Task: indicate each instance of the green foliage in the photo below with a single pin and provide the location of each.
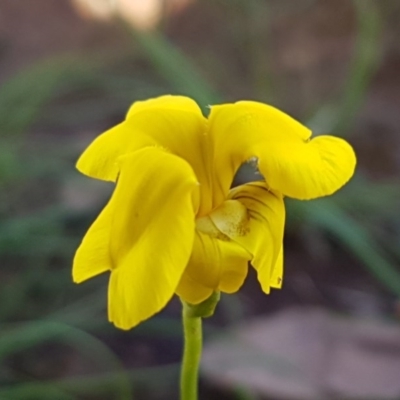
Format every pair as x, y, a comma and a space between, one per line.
39, 306
366, 58
352, 235
175, 67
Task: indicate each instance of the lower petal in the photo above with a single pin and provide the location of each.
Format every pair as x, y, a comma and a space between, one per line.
152, 233
277, 272
92, 257
214, 265
263, 235
192, 291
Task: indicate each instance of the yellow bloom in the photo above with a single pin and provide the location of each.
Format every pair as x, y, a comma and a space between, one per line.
173, 225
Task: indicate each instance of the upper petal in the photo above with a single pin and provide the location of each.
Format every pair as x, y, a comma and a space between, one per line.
99, 160
307, 170
176, 123
166, 102
152, 232
173, 122
289, 161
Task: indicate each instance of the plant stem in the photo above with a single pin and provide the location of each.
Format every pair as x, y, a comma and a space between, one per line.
191, 354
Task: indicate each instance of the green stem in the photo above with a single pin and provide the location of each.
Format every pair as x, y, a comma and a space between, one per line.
191, 354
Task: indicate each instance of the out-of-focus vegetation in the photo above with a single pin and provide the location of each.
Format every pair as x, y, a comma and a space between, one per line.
325, 62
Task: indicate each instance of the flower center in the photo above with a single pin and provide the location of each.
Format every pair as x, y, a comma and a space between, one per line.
227, 221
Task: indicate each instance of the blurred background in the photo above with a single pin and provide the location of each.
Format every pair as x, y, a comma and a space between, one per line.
69, 69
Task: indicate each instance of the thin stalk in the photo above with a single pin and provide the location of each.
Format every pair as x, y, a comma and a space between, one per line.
192, 327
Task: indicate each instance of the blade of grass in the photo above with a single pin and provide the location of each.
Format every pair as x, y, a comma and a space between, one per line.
30, 334
366, 57
364, 64
242, 393
95, 384
175, 67
23, 96
258, 17
328, 216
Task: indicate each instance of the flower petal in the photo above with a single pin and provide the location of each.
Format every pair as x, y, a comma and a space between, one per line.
277, 271
307, 170
166, 102
99, 160
176, 123
151, 235
288, 160
214, 265
263, 236
173, 122
93, 257
192, 291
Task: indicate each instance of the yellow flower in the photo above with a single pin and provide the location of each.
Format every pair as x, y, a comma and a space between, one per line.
173, 225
